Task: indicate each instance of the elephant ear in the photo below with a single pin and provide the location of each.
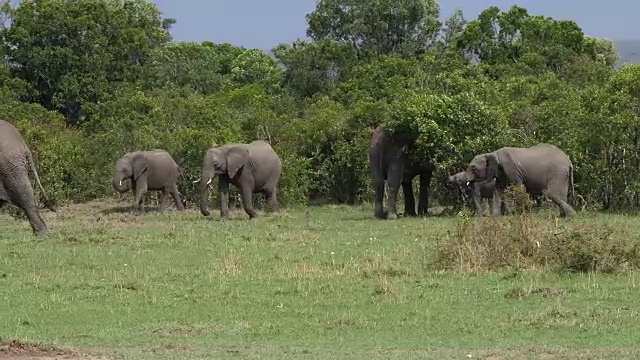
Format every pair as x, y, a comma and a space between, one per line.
236, 158
140, 165
492, 166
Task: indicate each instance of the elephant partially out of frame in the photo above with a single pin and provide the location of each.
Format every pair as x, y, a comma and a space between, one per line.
390, 160
148, 170
543, 169
477, 191
252, 168
15, 188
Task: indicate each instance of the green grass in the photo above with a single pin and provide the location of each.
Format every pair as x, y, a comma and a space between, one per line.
322, 282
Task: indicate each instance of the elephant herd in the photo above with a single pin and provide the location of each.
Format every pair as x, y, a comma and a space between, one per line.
543, 170
252, 168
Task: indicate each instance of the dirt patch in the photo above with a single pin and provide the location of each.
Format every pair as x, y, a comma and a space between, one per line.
16, 350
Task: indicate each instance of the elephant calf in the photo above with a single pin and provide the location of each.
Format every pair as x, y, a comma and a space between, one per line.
148, 170
15, 187
252, 168
477, 191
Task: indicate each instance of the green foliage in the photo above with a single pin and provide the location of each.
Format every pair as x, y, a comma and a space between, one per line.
446, 129
376, 27
71, 51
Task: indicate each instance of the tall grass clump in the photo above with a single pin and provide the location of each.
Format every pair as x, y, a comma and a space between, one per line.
525, 240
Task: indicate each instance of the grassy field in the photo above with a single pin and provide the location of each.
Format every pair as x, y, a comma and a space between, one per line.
309, 283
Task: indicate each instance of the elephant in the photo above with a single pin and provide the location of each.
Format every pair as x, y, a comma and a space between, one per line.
477, 191
254, 167
149, 170
542, 169
390, 159
15, 187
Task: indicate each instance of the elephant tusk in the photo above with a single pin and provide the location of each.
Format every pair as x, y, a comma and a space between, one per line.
197, 181
120, 183
468, 182
209, 182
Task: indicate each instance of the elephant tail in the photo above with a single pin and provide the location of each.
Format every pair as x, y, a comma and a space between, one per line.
573, 189
47, 201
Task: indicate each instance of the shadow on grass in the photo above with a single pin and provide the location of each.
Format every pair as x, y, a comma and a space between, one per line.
130, 209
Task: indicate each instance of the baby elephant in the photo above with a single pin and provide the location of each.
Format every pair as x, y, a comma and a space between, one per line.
478, 191
252, 168
148, 170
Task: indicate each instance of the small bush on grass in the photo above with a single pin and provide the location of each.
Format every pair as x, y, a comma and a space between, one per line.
524, 241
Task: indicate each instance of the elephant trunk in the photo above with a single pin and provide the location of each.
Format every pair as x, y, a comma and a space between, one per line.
117, 184
207, 176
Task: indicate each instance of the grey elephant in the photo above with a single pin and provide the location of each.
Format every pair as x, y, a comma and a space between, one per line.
15, 187
390, 160
478, 191
252, 168
148, 170
543, 169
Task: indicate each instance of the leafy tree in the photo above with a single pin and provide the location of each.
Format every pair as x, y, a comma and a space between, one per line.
70, 51
533, 44
376, 27
314, 67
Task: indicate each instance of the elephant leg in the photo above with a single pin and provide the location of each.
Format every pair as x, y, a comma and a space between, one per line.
498, 203
409, 200
394, 179
378, 189
272, 199
141, 190
559, 197
247, 201
175, 194
163, 199
423, 195
477, 201
26, 201
223, 191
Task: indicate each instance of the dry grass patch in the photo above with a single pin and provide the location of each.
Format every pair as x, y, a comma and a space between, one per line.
523, 241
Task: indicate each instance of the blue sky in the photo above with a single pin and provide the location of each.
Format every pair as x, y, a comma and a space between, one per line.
264, 24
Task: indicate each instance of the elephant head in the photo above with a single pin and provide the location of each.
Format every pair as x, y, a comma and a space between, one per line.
130, 166
483, 167
225, 161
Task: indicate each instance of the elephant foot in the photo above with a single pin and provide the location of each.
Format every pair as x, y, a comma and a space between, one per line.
392, 216
380, 215
40, 233
410, 214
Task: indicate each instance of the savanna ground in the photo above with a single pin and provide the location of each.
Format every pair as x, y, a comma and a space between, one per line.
319, 282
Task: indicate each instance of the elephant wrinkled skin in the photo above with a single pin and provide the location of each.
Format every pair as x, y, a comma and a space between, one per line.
543, 169
15, 187
252, 168
389, 160
148, 170
477, 191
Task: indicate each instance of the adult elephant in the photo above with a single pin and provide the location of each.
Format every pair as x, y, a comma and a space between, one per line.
148, 170
252, 168
390, 160
543, 169
15, 187
478, 191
